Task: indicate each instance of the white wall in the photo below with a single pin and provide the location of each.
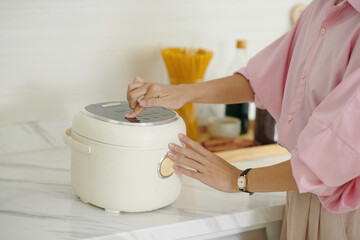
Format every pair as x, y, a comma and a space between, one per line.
59, 55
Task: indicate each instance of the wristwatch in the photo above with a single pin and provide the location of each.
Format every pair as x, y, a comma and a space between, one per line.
242, 181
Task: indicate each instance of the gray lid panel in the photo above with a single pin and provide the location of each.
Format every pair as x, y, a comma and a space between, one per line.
114, 112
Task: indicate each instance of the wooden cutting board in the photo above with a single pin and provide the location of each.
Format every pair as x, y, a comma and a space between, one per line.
252, 153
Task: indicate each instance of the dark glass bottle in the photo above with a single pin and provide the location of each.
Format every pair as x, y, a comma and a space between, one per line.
265, 127
241, 110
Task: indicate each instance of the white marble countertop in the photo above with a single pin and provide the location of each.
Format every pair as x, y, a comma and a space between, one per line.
37, 201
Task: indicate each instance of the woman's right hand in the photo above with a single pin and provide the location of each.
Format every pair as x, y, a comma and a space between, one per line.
154, 95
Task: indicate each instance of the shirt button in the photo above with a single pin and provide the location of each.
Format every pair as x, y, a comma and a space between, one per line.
322, 31
303, 76
290, 117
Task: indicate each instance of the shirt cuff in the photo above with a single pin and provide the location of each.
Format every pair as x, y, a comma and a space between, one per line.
245, 72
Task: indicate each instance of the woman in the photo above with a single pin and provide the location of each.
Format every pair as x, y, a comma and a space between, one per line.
309, 81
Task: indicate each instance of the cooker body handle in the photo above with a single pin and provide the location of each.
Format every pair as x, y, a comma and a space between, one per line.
75, 144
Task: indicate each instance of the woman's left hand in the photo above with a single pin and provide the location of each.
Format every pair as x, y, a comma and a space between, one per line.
206, 166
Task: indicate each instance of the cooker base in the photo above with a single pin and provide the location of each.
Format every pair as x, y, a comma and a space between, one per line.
112, 211
84, 201
106, 210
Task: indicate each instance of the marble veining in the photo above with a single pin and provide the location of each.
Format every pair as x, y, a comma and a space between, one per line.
31, 136
37, 201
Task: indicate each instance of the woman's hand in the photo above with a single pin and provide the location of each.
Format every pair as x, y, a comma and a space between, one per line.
154, 95
206, 166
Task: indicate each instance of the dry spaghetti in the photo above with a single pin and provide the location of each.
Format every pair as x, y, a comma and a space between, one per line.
187, 66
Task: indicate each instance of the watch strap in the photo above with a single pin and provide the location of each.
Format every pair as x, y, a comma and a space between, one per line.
245, 171
244, 175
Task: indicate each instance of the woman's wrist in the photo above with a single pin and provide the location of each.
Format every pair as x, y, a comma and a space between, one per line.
188, 93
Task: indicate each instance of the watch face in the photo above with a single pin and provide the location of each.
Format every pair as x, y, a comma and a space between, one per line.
241, 182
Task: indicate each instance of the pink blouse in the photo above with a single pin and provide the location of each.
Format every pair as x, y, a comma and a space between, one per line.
309, 81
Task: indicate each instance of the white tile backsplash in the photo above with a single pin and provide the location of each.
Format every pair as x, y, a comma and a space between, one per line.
57, 56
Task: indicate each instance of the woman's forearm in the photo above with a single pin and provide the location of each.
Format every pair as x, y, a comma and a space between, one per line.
237, 89
273, 178
231, 89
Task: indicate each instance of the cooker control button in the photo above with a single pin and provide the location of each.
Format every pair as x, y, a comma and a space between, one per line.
111, 104
165, 168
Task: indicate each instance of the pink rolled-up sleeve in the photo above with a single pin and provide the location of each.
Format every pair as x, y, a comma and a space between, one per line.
268, 70
326, 159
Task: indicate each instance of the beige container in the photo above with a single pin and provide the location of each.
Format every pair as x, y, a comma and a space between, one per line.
119, 164
224, 127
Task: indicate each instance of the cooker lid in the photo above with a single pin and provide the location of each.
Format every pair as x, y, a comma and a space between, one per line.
114, 112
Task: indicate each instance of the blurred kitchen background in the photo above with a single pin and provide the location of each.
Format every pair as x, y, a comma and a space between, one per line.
58, 56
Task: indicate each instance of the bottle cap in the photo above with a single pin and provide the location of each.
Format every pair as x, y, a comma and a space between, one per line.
241, 44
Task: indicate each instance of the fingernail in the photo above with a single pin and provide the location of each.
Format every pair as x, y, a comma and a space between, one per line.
181, 136
171, 154
129, 115
143, 103
172, 146
175, 167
